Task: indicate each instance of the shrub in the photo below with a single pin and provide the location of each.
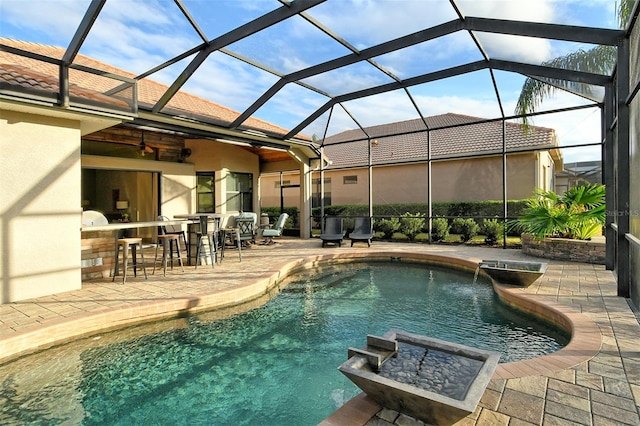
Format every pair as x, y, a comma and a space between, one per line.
492, 230
439, 229
456, 225
469, 229
388, 226
411, 224
578, 213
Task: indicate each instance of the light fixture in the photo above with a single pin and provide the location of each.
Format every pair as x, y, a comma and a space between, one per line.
142, 147
184, 154
123, 205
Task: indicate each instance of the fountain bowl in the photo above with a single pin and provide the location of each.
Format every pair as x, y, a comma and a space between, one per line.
513, 271
440, 386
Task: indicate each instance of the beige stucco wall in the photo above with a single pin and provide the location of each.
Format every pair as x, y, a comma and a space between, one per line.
545, 178
40, 212
222, 158
480, 179
474, 179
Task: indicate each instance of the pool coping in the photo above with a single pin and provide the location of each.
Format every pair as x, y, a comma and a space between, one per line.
585, 342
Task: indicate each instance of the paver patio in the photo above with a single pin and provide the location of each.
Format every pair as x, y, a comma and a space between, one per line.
601, 390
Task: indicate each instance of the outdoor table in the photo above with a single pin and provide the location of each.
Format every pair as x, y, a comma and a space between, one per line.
99, 242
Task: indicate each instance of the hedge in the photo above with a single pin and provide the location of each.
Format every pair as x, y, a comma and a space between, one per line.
450, 210
489, 209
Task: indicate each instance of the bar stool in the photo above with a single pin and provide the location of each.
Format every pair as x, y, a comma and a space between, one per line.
209, 250
167, 251
124, 244
232, 235
174, 229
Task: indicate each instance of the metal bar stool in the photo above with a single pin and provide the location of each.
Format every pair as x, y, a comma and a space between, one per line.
174, 229
124, 244
210, 249
232, 235
167, 251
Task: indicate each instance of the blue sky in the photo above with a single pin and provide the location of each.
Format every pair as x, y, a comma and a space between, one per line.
137, 35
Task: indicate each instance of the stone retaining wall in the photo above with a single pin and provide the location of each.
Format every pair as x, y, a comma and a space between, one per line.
593, 251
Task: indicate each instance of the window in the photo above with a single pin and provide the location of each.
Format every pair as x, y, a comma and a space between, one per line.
350, 180
315, 197
240, 192
284, 183
205, 190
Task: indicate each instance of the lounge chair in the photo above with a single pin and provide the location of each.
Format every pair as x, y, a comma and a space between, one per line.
362, 231
333, 231
270, 233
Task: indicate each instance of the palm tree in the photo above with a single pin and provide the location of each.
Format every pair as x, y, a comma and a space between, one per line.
600, 60
579, 213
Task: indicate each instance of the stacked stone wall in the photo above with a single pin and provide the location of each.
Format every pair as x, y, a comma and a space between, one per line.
565, 249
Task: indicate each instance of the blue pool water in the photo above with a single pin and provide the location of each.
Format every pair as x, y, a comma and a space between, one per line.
273, 365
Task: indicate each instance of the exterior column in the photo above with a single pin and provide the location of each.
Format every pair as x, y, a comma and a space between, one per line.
305, 201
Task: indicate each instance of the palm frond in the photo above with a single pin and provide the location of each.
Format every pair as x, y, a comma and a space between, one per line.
599, 60
585, 196
625, 7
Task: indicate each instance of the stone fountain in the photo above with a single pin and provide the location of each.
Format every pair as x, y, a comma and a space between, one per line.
432, 380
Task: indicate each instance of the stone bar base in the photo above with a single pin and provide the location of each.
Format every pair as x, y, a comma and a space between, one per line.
98, 248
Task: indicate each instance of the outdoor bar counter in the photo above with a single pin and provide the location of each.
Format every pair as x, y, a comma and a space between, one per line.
98, 245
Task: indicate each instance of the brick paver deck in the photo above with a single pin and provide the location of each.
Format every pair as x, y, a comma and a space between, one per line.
594, 381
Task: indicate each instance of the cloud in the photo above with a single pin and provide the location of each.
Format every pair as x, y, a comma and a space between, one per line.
56, 20
522, 10
138, 35
515, 48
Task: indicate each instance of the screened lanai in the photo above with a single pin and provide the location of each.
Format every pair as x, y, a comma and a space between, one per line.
291, 74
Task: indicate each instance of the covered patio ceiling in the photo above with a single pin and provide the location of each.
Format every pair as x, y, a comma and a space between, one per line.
313, 68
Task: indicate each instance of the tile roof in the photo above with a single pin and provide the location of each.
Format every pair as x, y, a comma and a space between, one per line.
410, 140
44, 76
42, 84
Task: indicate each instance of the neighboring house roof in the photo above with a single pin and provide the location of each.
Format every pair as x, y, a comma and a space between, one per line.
42, 76
410, 142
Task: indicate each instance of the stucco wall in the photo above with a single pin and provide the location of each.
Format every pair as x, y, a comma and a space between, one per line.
480, 179
475, 179
40, 212
222, 158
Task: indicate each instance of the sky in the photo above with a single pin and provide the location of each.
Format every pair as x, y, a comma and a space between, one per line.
138, 35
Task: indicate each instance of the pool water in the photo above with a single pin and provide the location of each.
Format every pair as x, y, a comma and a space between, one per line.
273, 365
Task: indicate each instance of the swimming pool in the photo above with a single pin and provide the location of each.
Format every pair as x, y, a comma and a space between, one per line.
275, 364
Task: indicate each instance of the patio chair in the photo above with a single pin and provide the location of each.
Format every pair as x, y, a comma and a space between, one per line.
362, 231
270, 233
333, 231
246, 224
